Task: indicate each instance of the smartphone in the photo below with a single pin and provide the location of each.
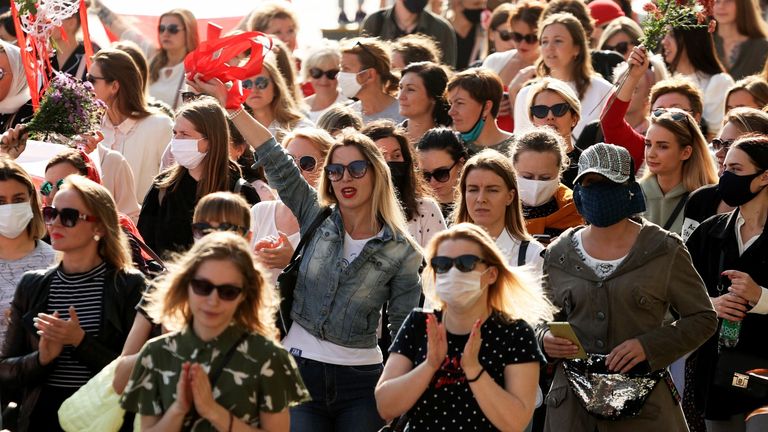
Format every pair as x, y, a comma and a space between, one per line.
565, 331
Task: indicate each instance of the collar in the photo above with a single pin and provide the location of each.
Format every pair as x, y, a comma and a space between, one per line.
653, 190
421, 24
124, 128
188, 341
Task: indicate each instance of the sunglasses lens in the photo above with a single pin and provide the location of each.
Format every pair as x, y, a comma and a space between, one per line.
199, 230
540, 111
261, 83
69, 217
228, 292
307, 163
334, 171
559, 110
201, 287
331, 74
46, 188
441, 264
442, 175
357, 169
49, 214
505, 36
315, 73
466, 263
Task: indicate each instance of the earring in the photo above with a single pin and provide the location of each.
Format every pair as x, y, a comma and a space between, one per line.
96, 237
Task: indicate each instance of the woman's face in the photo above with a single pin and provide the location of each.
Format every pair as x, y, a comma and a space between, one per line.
621, 43
455, 248
78, 237
738, 162
487, 198
558, 49
325, 85
5, 83
534, 165
390, 148
413, 97
211, 314
353, 194
669, 47
105, 90
284, 29
13, 192
724, 11
663, 153
184, 129
741, 98
527, 50
437, 163
260, 98
304, 152
465, 111
728, 133
563, 125
500, 44
54, 175
174, 37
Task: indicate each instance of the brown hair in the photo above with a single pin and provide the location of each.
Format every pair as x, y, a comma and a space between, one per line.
286, 65
749, 19
582, 65
748, 120
542, 140
372, 53
527, 11
117, 65
223, 207
682, 86
11, 170
284, 107
417, 48
267, 11
160, 60
133, 50
576, 8
482, 85
755, 85
338, 118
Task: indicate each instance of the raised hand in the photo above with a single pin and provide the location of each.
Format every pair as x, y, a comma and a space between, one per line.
14, 141
66, 332
437, 342
470, 361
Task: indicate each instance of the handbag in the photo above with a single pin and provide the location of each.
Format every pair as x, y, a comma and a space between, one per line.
610, 395
94, 407
286, 281
732, 371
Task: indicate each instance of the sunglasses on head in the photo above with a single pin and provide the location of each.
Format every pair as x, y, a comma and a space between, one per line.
46, 188
204, 288
441, 174
306, 163
171, 28
93, 78
259, 82
67, 216
529, 38
201, 229
463, 263
718, 144
316, 73
558, 110
356, 169
188, 96
621, 47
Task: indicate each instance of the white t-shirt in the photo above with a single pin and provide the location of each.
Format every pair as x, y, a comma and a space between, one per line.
427, 223
167, 88
263, 224
602, 268
300, 342
314, 116
498, 60
713, 91
510, 247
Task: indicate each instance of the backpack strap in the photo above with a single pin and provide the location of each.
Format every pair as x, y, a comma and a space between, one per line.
678, 208
522, 252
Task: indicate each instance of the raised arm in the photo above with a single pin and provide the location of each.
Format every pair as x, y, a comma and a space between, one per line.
112, 21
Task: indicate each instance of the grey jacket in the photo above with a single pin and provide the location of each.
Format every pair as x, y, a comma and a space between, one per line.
343, 305
656, 275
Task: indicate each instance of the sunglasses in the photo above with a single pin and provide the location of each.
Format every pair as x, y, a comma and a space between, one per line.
201, 229
46, 188
441, 174
171, 28
718, 144
259, 82
506, 36
306, 163
316, 73
67, 216
558, 110
204, 288
621, 47
188, 96
93, 78
675, 115
356, 169
463, 263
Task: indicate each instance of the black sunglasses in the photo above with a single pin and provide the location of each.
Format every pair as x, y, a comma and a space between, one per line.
204, 288
46, 188
171, 28
621, 47
306, 163
441, 174
529, 38
93, 78
188, 96
259, 82
316, 73
541, 111
463, 263
718, 144
201, 229
356, 169
67, 216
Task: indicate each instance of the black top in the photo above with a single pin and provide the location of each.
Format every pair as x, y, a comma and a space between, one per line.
464, 47
569, 175
448, 402
702, 203
604, 62
590, 135
73, 61
23, 115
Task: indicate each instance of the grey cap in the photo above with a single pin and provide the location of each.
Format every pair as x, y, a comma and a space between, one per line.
609, 160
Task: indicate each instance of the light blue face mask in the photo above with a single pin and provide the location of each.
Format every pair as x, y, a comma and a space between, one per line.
472, 134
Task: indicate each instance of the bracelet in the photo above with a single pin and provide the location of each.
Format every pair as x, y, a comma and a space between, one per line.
236, 113
482, 371
231, 419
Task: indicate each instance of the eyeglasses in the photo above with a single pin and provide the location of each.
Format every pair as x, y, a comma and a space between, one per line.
46, 188
67, 216
259, 82
441, 174
356, 169
306, 163
529, 38
675, 115
188, 96
316, 73
558, 110
171, 28
204, 288
621, 47
718, 144
463, 263
93, 78
201, 229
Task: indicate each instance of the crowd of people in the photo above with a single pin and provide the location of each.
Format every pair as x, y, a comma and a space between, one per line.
474, 215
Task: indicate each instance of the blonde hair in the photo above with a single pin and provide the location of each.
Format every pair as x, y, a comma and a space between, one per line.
558, 87
160, 60
748, 120
372, 53
320, 139
267, 11
223, 207
169, 302
11, 170
516, 294
495, 162
283, 105
755, 85
699, 169
582, 71
624, 25
113, 246
327, 51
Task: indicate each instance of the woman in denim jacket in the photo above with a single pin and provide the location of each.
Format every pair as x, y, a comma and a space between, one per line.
359, 258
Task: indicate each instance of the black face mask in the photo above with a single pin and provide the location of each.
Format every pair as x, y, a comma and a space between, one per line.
735, 189
415, 6
401, 176
473, 15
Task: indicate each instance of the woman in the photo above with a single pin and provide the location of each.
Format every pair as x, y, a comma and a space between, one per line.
621, 35
421, 211
471, 40
539, 160
478, 366
587, 273
256, 379
751, 92
320, 69
21, 231
729, 251
200, 146
441, 159
366, 75
677, 162
422, 99
691, 53
740, 38
565, 56
338, 118
129, 126
499, 30
521, 34
488, 197
414, 48
70, 51
275, 19
15, 103
71, 339
271, 102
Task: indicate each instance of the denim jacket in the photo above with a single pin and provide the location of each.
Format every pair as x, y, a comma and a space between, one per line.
343, 305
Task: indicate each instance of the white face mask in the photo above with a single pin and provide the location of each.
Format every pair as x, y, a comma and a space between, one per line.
457, 289
536, 192
348, 84
185, 152
14, 219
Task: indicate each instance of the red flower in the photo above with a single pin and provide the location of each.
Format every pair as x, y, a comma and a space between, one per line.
650, 8
701, 18
712, 26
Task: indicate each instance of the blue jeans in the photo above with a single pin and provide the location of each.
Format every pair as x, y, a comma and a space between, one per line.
342, 398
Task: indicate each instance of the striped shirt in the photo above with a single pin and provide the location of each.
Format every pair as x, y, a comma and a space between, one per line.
84, 291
